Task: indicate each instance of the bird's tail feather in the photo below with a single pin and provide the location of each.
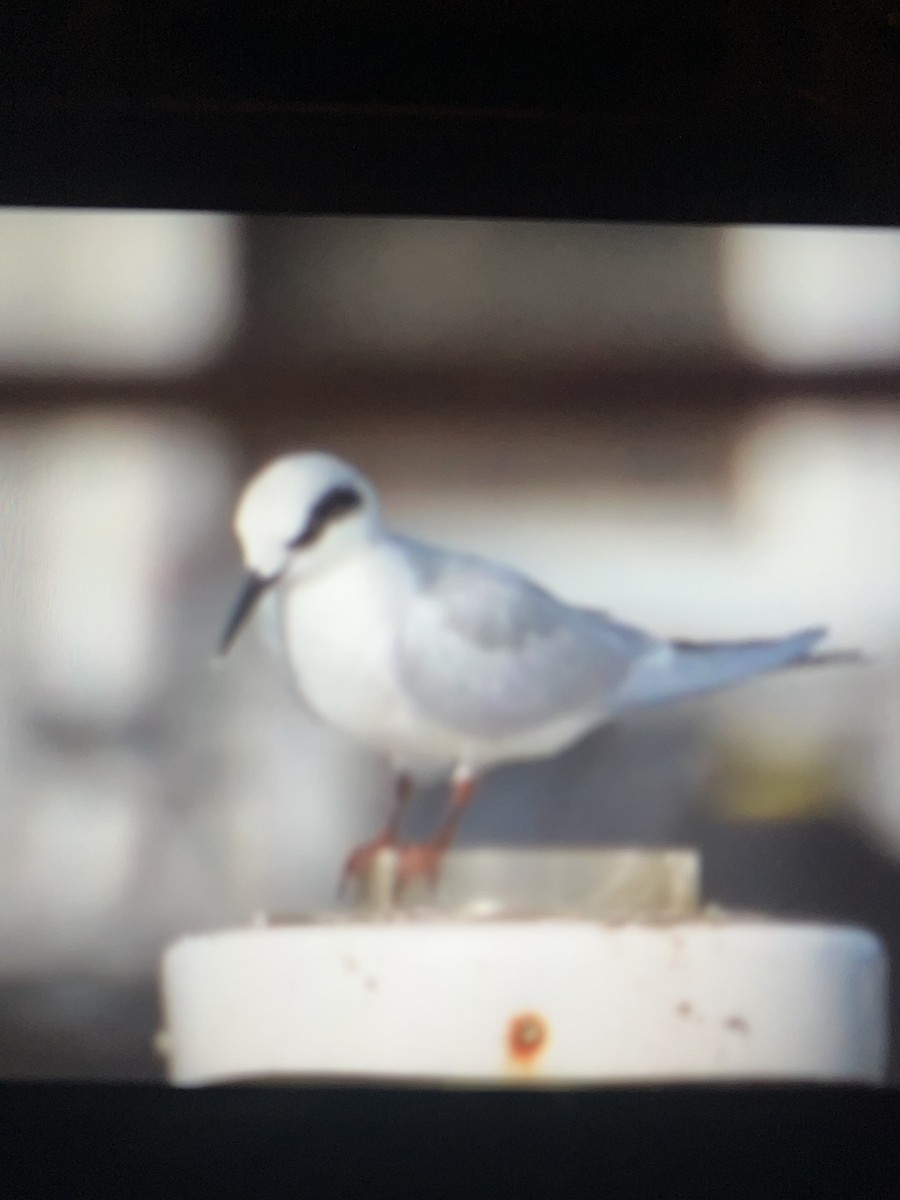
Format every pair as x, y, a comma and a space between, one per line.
680, 669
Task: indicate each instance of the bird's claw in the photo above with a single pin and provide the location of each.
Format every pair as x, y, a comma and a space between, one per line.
415, 861
359, 862
420, 860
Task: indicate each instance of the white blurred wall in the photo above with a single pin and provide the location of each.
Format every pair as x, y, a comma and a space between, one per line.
98, 293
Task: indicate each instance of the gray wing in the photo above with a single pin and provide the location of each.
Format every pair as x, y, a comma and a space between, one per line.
486, 652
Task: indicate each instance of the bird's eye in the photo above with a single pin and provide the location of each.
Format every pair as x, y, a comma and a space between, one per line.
333, 505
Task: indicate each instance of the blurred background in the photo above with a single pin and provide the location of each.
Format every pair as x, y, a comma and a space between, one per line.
697, 429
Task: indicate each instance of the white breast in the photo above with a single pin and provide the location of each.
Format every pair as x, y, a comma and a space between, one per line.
340, 628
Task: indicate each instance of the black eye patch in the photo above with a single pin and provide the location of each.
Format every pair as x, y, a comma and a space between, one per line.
334, 504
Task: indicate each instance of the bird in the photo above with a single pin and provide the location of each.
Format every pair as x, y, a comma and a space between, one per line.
448, 664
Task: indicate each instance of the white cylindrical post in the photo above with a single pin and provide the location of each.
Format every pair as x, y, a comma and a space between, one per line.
477, 989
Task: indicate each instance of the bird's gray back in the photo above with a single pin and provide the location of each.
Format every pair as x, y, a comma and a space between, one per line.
486, 652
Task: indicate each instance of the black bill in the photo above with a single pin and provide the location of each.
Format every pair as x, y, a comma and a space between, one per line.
252, 588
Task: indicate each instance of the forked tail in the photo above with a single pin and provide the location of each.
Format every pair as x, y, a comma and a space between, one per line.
679, 669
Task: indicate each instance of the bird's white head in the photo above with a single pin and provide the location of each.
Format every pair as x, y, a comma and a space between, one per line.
296, 517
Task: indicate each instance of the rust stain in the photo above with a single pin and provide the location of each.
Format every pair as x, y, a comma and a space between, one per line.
684, 1009
737, 1024
350, 963
370, 983
526, 1037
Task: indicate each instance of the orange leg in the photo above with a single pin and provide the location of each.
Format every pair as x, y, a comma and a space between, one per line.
359, 862
425, 859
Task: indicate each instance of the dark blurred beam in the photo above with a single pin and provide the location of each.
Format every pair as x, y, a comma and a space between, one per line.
248, 394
